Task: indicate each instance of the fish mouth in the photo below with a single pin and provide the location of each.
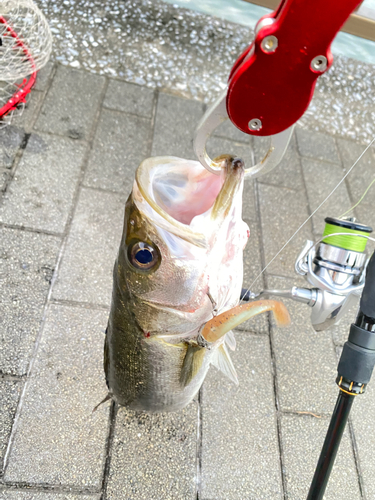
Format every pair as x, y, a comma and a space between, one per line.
181, 195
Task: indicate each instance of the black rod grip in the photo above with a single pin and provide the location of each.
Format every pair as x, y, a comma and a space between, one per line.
356, 363
367, 304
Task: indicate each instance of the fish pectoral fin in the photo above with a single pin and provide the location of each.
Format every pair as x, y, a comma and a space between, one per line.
107, 398
192, 363
230, 340
221, 360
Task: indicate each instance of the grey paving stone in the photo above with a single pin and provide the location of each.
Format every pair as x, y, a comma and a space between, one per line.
240, 456
10, 391
128, 97
230, 131
302, 439
359, 180
154, 456
11, 138
340, 331
4, 177
27, 261
121, 143
86, 269
43, 76
249, 206
366, 215
41, 193
29, 115
363, 172
363, 415
288, 172
317, 145
175, 124
8, 494
252, 258
321, 178
71, 103
261, 146
252, 268
306, 362
59, 440
282, 211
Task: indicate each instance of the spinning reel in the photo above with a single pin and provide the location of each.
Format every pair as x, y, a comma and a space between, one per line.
335, 268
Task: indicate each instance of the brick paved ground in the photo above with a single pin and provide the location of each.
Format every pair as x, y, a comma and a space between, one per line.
66, 169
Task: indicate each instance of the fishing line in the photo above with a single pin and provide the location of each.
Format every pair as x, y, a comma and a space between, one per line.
360, 200
306, 221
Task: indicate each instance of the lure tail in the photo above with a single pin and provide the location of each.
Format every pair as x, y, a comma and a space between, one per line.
217, 327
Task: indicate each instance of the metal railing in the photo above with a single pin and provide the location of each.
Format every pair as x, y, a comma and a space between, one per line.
361, 23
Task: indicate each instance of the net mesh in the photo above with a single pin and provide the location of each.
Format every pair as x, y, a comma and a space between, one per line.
25, 39
7, 92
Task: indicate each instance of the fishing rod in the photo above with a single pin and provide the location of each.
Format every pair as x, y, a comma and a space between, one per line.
338, 268
354, 372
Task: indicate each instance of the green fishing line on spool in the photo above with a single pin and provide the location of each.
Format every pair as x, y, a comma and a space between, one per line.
348, 242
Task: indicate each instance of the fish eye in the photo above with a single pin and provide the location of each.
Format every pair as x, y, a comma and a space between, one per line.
143, 256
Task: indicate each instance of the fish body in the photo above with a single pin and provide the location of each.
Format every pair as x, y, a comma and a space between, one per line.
179, 267
179, 263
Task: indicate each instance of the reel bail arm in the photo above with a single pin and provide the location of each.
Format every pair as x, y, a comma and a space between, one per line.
304, 295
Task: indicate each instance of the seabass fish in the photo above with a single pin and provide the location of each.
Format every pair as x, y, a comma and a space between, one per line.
176, 283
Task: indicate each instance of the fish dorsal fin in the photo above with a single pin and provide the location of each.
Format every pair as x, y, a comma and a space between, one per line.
230, 340
222, 362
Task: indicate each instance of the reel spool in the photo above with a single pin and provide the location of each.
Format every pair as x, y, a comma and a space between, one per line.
352, 241
25, 47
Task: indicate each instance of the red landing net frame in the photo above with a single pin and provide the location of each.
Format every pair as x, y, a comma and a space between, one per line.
25, 46
12, 95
